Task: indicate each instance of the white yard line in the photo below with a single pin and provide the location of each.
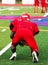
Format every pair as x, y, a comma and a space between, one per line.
5, 49
3, 30
43, 30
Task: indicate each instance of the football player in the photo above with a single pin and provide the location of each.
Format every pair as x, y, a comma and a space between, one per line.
43, 5
46, 5
25, 30
36, 4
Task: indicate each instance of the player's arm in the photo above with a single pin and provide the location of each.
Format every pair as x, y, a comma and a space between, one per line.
12, 35
11, 26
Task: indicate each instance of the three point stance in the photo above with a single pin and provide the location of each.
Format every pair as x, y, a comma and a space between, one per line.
24, 30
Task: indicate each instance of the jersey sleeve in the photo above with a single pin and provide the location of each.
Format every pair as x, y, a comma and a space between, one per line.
13, 25
36, 29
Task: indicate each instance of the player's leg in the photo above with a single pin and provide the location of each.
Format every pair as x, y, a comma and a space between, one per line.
12, 35
43, 10
13, 49
15, 41
46, 7
43, 5
36, 6
35, 9
34, 48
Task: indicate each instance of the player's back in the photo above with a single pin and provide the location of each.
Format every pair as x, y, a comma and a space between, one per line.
27, 25
33, 27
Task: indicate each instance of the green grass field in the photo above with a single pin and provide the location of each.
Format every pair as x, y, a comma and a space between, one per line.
18, 10
23, 53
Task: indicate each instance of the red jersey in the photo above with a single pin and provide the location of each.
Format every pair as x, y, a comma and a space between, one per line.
26, 25
25, 30
43, 3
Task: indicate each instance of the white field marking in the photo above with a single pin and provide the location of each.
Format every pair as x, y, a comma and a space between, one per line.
10, 8
13, 9
3, 30
5, 49
43, 16
46, 14
2, 9
43, 30
5, 27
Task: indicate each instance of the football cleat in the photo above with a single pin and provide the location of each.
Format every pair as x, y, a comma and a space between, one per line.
13, 56
35, 57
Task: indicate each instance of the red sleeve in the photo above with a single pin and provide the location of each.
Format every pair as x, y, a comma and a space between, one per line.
15, 27
14, 22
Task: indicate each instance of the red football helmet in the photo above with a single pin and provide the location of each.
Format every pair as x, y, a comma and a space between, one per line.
25, 17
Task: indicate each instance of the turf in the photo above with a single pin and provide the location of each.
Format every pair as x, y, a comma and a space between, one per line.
4, 36
19, 10
23, 53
